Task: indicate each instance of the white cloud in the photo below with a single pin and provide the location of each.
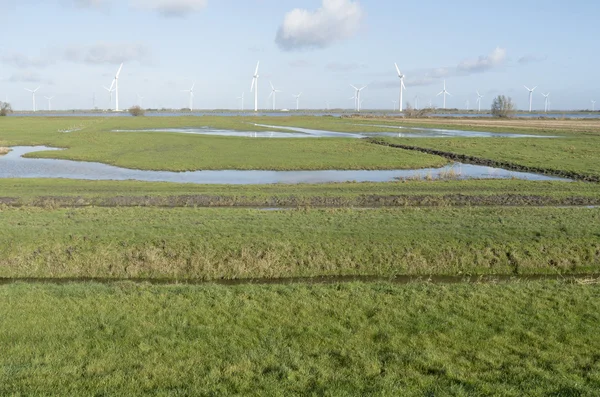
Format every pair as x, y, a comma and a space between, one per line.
531, 58
27, 77
171, 8
484, 63
107, 53
335, 20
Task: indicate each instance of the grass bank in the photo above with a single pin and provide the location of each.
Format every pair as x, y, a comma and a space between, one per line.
537, 338
73, 193
188, 243
578, 155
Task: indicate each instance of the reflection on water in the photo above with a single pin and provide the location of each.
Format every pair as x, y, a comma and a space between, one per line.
417, 132
13, 165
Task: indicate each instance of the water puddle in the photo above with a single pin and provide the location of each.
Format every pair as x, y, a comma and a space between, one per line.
13, 165
297, 132
415, 132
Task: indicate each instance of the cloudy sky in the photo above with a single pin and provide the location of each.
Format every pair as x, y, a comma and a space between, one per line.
71, 48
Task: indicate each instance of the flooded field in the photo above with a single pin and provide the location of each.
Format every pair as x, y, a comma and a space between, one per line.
13, 165
297, 132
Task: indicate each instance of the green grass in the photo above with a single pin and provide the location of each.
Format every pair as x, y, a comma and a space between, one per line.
49, 192
515, 339
188, 243
185, 152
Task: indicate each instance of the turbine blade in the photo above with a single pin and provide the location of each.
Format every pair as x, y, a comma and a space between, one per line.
273, 88
252, 86
397, 69
354, 87
527, 88
119, 71
256, 71
449, 93
533, 89
440, 93
112, 84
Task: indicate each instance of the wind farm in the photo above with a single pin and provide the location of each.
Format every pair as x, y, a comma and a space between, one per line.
324, 198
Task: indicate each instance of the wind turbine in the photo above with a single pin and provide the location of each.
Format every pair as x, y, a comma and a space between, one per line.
530, 95
33, 95
416, 102
479, 97
546, 102
402, 86
593, 106
273, 94
49, 102
357, 96
445, 93
297, 100
116, 81
242, 98
254, 87
191, 91
394, 102
110, 91
140, 100
468, 105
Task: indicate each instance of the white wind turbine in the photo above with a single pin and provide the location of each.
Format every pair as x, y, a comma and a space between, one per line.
402, 86
445, 93
242, 98
297, 100
140, 100
394, 107
416, 102
479, 97
110, 92
49, 102
357, 96
468, 104
530, 95
254, 87
33, 95
273, 94
191, 91
546, 102
593, 106
116, 81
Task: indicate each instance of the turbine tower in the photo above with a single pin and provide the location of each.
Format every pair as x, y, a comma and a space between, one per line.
297, 100
593, 106
479, 97
416, 102
273, 94
49, 102
191, 91
468, 105
254, 87
394, 107
402, 87
546, 102
33, 95
116, 81
530, 95
242, 98
140, 100
445, 93
357, 97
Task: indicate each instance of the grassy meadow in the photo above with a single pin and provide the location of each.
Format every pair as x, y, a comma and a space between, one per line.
210, 244
515, 339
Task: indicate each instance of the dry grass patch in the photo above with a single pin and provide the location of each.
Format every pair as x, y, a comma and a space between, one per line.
4, 150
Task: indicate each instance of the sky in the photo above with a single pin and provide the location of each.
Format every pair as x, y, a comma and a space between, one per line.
72, 48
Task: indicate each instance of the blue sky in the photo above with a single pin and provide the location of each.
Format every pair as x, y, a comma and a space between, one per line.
72, 47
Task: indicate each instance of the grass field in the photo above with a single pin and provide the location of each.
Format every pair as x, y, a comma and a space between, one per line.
188, 243
185, 152
511, 338
576, 150
515, 339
